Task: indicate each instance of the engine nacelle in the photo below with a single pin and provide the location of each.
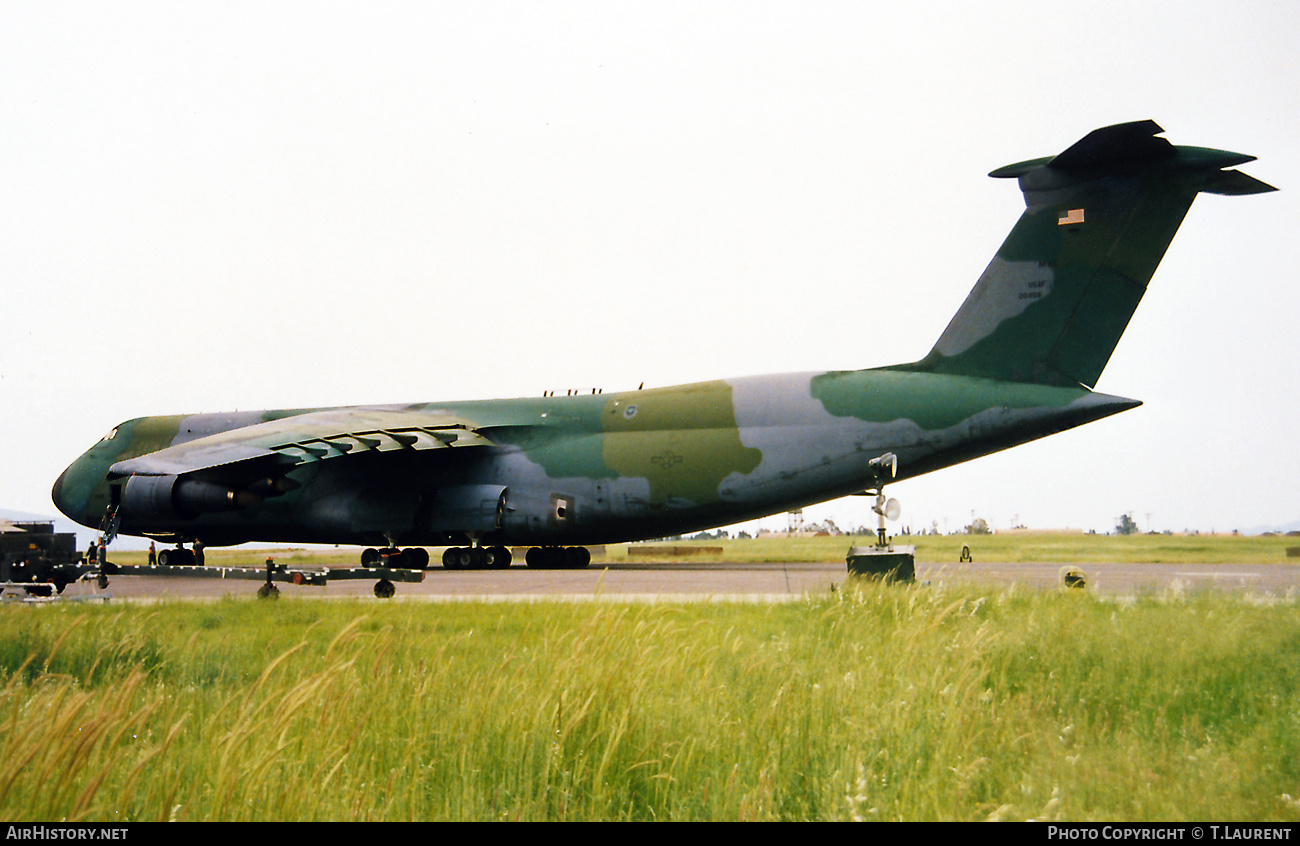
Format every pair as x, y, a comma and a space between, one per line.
146, 498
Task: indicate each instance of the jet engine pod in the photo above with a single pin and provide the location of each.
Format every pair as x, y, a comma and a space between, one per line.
148, 498
172, 497
199, 497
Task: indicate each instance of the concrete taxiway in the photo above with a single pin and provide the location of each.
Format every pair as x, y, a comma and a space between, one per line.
728, 581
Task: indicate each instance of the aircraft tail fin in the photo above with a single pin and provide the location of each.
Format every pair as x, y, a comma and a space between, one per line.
1054, 301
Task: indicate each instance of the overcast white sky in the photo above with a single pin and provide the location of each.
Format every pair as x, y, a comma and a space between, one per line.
214, 206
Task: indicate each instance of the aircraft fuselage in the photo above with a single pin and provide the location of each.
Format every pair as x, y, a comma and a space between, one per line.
592, 468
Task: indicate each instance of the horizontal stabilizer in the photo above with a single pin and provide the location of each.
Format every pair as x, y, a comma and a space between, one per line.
1235, 183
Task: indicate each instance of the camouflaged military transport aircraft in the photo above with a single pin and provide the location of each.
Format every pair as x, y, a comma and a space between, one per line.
1016, 363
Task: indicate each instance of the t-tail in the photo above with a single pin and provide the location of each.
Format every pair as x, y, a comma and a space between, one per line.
1054, 301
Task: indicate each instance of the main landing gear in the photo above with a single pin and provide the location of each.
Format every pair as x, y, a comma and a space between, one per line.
499, 558
476, 558
479, 558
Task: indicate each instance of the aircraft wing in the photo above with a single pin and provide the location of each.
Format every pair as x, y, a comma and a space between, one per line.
306, 438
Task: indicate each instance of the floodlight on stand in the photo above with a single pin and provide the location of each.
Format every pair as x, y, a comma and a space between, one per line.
885, 508
887, 460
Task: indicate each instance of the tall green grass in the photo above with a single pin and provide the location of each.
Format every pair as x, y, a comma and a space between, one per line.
875, 703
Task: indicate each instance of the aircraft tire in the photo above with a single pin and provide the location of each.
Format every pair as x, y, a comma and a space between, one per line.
384, 589
417, 558
175, 558
501, 558
370, 557
462, 558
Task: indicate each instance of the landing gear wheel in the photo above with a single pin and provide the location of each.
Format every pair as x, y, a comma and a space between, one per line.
171, 557
370, 558
384, 589
417, 558
476, 558
178, 557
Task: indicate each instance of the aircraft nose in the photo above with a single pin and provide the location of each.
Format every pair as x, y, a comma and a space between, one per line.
76, 491
57, 495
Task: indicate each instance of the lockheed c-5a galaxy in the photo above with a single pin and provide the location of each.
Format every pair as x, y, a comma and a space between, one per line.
1017, 362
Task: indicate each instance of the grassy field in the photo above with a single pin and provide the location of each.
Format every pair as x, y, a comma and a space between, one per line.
1024, 547
874, 703
1014, 547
